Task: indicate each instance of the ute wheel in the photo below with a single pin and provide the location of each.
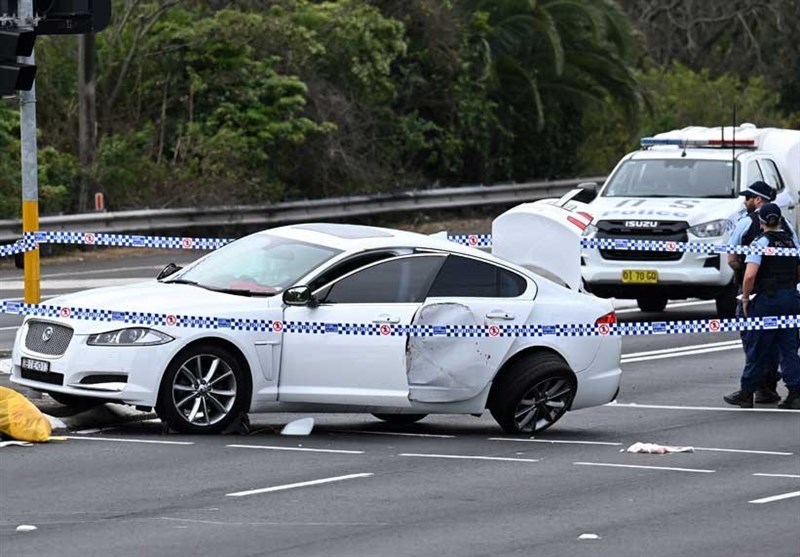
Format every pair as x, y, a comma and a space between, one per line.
74, 401
726, 302
533, 394
652, 303
400, 419
203, 390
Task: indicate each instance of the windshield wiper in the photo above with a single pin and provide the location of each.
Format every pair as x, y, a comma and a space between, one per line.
182, 281
240, 292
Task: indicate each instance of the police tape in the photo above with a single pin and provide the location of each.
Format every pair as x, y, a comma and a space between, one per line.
31, 242
377, 329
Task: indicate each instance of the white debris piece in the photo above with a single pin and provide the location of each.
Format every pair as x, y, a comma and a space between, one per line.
5, 366
589, 537
653, 448
26, 528
15, 444
302, 426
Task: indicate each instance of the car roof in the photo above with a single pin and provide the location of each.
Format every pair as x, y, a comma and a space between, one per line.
671, 152
354, 238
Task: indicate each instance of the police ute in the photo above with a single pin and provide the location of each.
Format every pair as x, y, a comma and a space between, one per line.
683, 186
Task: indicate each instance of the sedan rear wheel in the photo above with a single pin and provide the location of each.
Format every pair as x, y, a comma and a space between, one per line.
534, 394
203, 391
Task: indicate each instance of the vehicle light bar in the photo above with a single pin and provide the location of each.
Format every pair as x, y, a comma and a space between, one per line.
679, 142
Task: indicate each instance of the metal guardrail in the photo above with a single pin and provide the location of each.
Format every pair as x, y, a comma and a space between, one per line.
289, 212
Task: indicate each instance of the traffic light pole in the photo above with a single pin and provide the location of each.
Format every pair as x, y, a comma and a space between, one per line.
30, 169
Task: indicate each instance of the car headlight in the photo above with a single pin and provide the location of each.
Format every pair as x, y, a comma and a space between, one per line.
710, 229
134, 336
589, 231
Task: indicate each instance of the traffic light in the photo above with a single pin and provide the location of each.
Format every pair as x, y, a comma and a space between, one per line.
72, 17
13, 75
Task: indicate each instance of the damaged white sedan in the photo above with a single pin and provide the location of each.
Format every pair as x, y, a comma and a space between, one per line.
328, 318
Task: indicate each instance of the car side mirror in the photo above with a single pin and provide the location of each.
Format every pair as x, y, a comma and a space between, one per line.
589, 192
299, 296
169, 269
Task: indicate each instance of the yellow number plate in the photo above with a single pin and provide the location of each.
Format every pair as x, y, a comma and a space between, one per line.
635, 276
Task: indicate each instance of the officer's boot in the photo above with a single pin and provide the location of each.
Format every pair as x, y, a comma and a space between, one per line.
740, 398
767, 394
792, 400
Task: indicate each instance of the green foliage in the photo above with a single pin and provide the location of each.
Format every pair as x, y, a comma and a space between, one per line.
680, 97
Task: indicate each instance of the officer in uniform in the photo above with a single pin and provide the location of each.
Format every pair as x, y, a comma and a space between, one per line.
773, 280
747, 229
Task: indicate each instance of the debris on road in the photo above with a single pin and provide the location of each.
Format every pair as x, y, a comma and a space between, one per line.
15, 444
653, 448
26, 528
589, 537
302, 426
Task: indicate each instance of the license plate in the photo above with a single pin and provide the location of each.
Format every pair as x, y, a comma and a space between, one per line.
35, 365
637, 276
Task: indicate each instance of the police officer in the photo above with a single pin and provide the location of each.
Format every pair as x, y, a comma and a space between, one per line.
747, 229
773, 281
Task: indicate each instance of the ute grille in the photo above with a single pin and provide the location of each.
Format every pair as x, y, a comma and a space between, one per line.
664, 231
56, 345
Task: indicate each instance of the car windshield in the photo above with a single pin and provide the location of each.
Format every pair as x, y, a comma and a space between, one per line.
672, 178
257, 265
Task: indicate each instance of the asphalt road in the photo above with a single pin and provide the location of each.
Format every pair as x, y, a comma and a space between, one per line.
447, 486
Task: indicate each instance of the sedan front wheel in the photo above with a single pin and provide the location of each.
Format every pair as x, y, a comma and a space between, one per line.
203, 391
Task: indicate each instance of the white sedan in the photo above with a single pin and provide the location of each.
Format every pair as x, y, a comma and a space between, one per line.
327, 318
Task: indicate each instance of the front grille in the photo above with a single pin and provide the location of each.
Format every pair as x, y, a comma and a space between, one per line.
58, 337
43, 376
663, 231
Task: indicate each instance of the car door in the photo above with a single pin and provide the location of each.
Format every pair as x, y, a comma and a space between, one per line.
354, 358
467, 292
785, 198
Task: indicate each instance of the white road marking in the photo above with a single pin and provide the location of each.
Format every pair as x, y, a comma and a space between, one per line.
713, 408
15, 327
671, 306
299, 484
778, 475
270, 523
737, 342
743, 451
147, 441
554, 441
299, 449
776, 498
667, 468
397, 433
465, 457
680, 351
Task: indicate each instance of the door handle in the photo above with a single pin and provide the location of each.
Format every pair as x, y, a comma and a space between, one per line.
502, 315
386, 319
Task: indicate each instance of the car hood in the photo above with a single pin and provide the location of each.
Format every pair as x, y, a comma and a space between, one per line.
162, 298
691, 210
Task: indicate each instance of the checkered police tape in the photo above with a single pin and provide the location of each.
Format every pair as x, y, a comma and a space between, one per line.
26, 244
31, 240
485, 240
119, 318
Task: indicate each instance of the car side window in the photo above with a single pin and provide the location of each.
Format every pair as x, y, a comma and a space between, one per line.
470, 278
753, 173
771, 174
403, 279
348, 266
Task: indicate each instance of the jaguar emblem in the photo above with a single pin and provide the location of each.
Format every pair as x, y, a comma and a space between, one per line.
47, 334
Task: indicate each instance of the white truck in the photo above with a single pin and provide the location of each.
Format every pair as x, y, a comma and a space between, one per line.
684, 186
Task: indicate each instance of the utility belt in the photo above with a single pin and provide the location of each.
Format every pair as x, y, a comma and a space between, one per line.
771, 286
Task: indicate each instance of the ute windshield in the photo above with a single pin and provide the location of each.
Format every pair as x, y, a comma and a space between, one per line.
257, 265
673, 178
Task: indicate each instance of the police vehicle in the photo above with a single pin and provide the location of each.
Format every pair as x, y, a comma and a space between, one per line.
684, 186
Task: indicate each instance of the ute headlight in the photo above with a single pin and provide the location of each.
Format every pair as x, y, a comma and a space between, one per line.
134, 336
589, 231
710, 229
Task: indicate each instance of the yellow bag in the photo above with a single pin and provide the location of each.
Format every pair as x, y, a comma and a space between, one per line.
20, 419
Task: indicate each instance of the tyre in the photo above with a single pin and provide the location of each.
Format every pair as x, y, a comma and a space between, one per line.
77, 402
726, 302
533, 394
203, 390
400, 419
652, 303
